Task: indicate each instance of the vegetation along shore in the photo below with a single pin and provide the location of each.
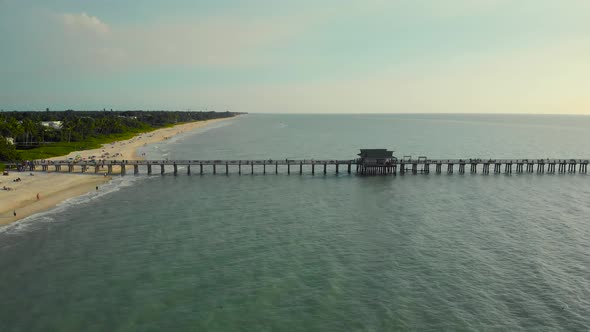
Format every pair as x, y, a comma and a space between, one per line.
69, 134
41, 135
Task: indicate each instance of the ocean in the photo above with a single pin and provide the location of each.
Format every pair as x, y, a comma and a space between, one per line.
461, 252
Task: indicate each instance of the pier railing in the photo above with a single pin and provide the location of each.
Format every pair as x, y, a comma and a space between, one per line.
392, 167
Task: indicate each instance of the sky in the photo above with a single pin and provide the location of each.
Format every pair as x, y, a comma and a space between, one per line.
305, 56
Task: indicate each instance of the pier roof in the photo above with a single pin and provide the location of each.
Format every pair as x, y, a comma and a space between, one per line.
376, 153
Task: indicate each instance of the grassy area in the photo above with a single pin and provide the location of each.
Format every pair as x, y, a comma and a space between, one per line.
64, 148
2, 167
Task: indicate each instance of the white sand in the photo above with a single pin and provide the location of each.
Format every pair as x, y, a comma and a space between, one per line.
54, 188
128, 149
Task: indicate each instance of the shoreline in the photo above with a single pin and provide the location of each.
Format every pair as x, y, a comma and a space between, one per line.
127, 149
54, 187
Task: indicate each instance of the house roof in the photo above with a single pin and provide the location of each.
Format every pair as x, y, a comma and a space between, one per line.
52, 124
376, 153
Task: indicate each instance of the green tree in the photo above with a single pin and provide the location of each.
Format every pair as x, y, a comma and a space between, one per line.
7, 151
85, 126
28, 129
15, 129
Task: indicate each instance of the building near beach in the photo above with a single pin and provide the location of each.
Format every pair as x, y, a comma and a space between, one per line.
375, 161
52, 124
375, 156
9, 140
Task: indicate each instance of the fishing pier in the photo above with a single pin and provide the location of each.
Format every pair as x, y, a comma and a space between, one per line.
370, 162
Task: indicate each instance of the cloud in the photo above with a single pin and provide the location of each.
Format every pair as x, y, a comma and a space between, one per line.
234, 40
515, 59
82, 22
88, 43
546, 79
209, 42
75, 42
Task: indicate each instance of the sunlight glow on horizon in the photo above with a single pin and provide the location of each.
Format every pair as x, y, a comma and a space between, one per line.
487, 56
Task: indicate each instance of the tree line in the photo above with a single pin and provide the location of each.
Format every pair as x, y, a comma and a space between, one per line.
26, 128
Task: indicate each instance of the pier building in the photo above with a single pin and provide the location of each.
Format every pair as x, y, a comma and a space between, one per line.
369, 162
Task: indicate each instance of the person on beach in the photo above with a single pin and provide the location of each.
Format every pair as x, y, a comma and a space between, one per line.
14, 213
38, 197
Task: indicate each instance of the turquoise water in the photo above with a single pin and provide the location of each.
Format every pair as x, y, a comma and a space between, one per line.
317, 253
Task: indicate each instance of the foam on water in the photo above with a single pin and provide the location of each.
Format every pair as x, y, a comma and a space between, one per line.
30, 223
158, 150
316, 253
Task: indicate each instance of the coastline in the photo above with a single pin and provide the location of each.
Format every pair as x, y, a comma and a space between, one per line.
127, 149
54, 188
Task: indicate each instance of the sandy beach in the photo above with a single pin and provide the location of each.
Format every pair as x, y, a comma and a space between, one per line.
54, 188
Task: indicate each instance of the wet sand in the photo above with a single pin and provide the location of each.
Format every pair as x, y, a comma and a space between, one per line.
54, 188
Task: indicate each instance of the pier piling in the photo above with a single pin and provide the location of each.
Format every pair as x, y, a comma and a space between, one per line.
420, 166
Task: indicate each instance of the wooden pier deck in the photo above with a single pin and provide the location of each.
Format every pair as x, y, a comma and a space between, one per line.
288, 166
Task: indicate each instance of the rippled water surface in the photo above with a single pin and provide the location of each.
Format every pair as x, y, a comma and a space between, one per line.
324, 253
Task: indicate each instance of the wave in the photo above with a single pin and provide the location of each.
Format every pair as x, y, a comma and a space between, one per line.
33, 221
159, 150
200, 130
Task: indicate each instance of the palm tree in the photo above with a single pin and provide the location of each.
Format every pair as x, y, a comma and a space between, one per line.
67, 126
14, 127
28, 128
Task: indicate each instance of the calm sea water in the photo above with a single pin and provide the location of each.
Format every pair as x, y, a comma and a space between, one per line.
317, 253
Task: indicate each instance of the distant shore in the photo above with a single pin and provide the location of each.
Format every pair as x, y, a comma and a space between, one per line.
54, 188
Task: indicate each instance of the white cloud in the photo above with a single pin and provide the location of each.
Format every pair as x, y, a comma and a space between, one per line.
209, 42
86, 42
549, 79
82, 22
547, 74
